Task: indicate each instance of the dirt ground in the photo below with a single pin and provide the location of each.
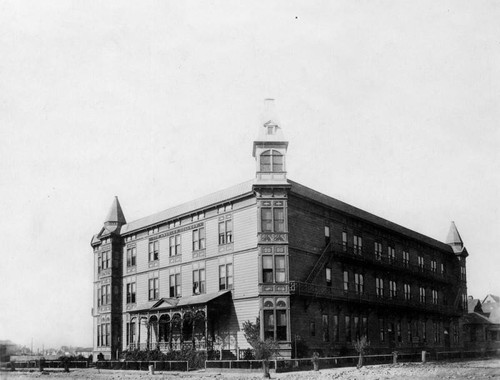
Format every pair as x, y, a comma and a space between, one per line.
478, 369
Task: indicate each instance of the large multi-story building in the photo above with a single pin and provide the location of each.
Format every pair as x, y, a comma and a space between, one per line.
311, 268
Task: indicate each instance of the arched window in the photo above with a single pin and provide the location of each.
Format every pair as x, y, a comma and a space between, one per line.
271, 161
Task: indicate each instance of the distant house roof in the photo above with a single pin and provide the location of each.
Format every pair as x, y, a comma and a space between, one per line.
475, 318
489, 307
246, 188
474, 305
491, 298
495, 315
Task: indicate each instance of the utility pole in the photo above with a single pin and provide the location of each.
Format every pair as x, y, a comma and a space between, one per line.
31, 346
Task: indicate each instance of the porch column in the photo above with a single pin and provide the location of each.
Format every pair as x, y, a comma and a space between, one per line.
206, 327
194, 325
181, 339
148, 332
139, 319
170, 333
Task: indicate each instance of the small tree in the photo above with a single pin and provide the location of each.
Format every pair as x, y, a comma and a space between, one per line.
361, 346
264, 349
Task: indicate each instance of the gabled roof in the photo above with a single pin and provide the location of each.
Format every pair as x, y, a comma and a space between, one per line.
197, 204
490, 298
474, 305
306, 192
475, 318
246, 188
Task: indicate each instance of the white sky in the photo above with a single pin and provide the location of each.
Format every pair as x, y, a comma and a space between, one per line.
392, 106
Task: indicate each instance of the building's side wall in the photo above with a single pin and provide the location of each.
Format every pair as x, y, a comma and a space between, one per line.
240, 253
386, 326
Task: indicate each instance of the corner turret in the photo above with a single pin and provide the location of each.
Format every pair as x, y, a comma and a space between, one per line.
115, 218
270, 148
455, 241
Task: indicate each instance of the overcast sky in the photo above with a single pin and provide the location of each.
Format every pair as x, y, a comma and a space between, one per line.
391, 106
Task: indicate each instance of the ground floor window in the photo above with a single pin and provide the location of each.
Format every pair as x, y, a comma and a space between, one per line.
326, 330
103, 332
275, 320
130, 332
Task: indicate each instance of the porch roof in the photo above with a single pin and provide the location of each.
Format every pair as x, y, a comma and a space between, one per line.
177, 303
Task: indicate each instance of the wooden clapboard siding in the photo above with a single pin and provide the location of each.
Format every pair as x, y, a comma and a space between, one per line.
164, 282
142, 288
245, 228
212, 276
142, 255
211, 237
245, 274
186, 280
246, 310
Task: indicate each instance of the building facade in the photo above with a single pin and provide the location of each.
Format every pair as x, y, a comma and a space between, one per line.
317, 272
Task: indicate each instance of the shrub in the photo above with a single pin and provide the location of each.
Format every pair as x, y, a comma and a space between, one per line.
248, 354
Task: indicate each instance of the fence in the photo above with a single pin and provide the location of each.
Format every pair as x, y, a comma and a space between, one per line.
170, 365
450, 355
46, 364
287, 365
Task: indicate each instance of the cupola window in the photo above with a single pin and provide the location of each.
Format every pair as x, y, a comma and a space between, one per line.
271, 161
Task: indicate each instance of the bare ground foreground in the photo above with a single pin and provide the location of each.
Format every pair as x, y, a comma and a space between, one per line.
478, 369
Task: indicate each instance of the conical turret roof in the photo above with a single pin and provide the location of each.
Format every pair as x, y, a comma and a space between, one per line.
115, 215
455, 241
453, 237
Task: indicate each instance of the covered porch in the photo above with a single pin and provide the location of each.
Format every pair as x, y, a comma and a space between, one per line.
173, 324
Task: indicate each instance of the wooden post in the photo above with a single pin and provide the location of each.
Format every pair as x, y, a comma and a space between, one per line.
139, 320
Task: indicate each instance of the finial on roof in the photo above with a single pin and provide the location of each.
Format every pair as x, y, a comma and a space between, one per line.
270, 129
115, 215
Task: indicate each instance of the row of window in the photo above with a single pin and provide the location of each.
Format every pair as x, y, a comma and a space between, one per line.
177, 222
357, 326
391, 252
272, 220
359, 287
175, 289
174, 243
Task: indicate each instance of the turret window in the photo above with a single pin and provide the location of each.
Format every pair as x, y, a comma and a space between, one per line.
273, 219
271, 161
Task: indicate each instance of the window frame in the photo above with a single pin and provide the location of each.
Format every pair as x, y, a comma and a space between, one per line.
131, 257
357, 246
393, 289
199, 239
359, 283
271, 221
153, 288
226, 281
225, 231
174, 285
199, 281
154, 250
271, 161
131, 292
328, 276
175, 245
377, 248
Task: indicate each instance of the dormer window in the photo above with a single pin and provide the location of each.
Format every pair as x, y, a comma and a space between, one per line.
271, 161
270, 129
